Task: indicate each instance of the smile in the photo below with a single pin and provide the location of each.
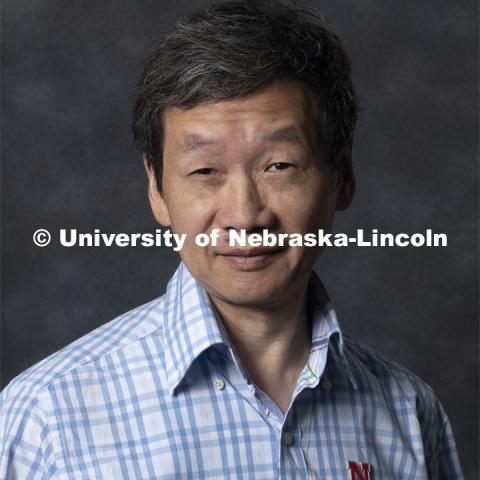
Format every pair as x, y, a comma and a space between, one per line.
251, 258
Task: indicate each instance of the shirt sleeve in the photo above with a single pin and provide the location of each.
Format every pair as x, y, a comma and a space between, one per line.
440, 448
25, 451
448, 464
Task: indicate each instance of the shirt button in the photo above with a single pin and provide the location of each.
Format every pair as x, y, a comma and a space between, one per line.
287, 438
327, 384
219, 384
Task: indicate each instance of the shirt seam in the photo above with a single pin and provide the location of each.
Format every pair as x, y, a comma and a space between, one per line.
391, 364
37, 388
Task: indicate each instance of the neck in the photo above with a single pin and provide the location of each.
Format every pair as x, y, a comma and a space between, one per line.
273, 343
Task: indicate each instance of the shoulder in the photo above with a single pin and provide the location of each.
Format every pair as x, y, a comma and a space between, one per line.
402, 393
85, 353
59, 388
375, 371
409, 402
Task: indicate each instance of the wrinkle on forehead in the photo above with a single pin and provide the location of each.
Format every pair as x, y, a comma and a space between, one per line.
287, 135
279, 113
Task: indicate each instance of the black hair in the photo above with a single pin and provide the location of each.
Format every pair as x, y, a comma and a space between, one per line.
231, 49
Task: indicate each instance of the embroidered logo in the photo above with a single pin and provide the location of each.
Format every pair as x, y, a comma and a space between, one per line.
359, 471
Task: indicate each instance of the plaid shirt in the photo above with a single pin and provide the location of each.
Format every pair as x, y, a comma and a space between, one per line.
160, 393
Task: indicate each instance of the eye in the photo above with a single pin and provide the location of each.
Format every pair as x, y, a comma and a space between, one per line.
279, 166
203, 171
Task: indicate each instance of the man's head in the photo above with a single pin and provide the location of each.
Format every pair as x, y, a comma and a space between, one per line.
245, 117
231, 49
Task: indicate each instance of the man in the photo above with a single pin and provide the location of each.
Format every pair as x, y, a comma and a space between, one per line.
245, 117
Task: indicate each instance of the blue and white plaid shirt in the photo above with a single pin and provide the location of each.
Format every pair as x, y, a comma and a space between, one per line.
160, 393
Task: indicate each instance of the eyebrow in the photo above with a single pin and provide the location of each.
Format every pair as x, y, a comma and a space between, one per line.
194, 142
285, 135
288, 135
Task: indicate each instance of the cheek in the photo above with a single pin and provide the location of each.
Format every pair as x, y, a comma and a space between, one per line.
308, 210
187, 215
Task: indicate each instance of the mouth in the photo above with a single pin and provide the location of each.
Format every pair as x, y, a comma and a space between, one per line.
250, 258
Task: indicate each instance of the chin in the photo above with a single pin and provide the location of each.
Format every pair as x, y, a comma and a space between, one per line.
263, 287
251, 293
251, 300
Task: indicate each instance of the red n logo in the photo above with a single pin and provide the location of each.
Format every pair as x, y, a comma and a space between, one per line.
359, 471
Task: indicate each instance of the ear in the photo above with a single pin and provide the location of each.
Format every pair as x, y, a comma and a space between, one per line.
346, 179
156, 199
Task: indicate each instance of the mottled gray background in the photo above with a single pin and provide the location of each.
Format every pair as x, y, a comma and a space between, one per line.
68, 72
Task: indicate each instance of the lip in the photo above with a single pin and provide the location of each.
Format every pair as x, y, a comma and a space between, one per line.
248, 252
250, 258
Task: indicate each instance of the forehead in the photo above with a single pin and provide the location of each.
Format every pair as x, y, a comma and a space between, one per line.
282, 109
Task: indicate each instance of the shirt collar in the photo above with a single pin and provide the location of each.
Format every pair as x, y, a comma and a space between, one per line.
191, 326
325, 327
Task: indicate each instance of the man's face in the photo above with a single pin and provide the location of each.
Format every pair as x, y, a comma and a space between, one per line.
247, 163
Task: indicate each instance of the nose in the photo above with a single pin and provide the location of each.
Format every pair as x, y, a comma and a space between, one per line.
243, 206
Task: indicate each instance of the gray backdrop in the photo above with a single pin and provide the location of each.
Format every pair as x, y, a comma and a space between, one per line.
68, 73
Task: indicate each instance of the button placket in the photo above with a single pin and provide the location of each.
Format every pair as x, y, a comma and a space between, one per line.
326, 384
219, 384
287, 438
